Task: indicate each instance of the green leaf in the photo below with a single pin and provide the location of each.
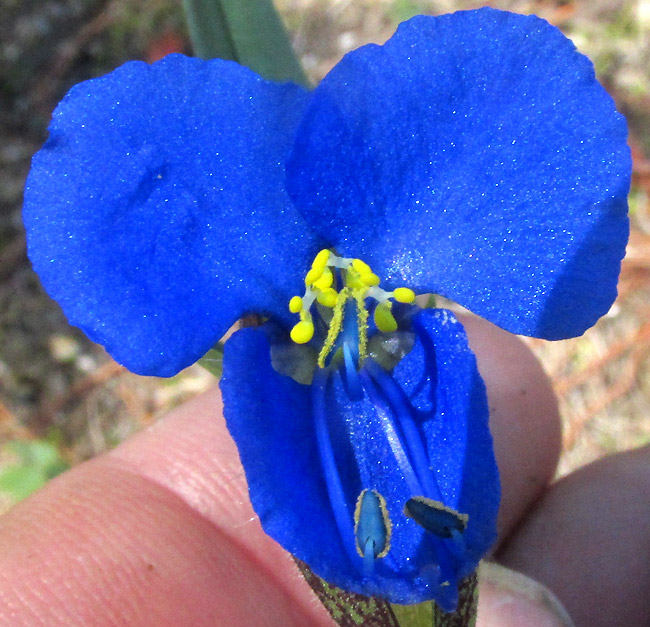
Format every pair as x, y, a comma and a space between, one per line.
247, 31
20, 481
37, 461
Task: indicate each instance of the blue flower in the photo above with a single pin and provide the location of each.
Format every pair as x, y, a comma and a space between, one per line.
473, 155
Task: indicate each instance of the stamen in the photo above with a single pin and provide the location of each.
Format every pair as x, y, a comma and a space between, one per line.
328, 462
351, 374
384, 318
359, 283
362, 328
392, 436
436, 517
396, 398
335, 326
372, 528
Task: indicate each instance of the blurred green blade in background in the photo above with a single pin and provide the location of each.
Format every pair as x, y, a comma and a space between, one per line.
247, 31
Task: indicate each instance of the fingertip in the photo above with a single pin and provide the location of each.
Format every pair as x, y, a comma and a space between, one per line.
588, 541
524, 417
509, 599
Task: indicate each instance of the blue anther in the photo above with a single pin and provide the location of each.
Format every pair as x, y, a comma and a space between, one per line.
436, 518
372, 527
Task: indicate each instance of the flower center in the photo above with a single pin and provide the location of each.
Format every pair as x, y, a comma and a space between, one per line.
340, 294
356, 282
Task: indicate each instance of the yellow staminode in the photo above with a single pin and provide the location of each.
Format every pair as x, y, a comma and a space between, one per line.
384, 318
321, 259
295, 304
302, 332
326, 280
313, 275
404, 295
327, 297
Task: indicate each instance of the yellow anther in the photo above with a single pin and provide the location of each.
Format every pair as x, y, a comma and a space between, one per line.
327, 297
384, 318
370, 279
404, 295
325, 281
295, 304
361, 266
302, 332
313, 275
321, 259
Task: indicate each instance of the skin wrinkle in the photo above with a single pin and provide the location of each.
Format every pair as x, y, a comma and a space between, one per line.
143, 503
226, 504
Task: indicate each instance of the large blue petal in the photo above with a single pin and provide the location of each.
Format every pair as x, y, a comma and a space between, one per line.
476, 156
156, 212
272, 420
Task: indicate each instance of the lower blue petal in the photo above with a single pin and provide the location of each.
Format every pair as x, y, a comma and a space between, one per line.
273, 420
156, 212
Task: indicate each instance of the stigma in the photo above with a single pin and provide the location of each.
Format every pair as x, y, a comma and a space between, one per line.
333, 282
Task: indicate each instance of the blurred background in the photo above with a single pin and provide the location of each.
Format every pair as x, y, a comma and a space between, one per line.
62, 398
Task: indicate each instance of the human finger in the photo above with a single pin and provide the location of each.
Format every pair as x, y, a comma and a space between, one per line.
160, 531
588, 540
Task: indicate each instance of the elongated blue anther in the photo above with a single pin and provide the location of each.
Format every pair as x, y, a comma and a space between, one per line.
436, 517
372, 528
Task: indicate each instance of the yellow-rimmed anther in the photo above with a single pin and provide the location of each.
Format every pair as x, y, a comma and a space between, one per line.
295, 304
362, 326
404, 295
313, 275
327, 297
384, 318
335, 325
302, 332
321, 259
325, 281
